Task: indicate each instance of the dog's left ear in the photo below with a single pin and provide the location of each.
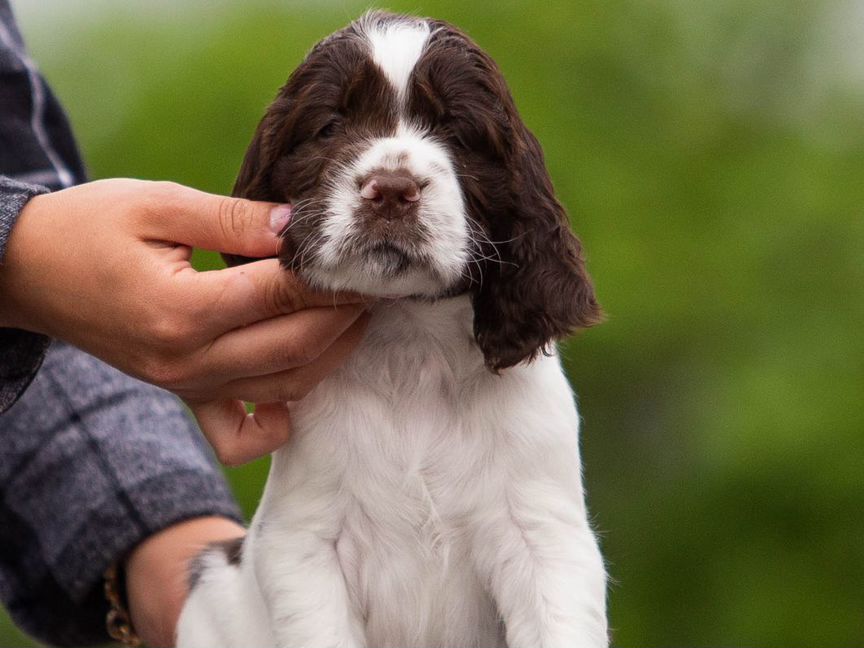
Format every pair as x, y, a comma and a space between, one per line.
535, 289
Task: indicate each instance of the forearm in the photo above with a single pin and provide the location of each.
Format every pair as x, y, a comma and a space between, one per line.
161, 564
93, 463
38, 151
21, 352
13, 196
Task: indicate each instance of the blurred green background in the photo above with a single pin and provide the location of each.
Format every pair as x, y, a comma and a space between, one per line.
711, 154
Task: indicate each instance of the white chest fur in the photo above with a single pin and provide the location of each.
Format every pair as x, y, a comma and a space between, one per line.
422, 501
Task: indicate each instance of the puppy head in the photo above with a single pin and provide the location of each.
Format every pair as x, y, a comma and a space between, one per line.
411, 175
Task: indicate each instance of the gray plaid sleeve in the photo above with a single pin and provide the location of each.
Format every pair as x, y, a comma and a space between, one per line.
91, 463
21, 352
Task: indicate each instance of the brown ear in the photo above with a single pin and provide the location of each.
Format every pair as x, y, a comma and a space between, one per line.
253, 181
536, 289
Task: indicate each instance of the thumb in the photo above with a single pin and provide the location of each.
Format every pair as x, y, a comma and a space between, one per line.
220, 223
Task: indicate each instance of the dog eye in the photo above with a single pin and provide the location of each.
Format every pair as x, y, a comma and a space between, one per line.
469, 141
328, 130
478, 139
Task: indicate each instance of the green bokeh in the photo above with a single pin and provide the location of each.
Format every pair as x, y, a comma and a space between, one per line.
712, 159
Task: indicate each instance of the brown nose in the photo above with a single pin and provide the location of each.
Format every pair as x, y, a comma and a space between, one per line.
390, 191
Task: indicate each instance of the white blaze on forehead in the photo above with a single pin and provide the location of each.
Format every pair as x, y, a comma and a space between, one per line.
396, 48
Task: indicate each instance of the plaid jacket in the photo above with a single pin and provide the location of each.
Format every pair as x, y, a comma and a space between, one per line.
91, 460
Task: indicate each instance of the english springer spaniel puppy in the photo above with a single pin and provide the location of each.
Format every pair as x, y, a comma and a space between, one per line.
431, 492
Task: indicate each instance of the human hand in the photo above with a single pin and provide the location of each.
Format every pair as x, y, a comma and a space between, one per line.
157, 573
105, 266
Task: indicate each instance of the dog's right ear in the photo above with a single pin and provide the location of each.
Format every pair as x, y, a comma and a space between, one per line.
251, 181
254, 180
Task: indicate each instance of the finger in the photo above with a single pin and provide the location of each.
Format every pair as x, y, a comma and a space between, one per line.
278, 344
249, 293
225, 224
238, 437
295, 384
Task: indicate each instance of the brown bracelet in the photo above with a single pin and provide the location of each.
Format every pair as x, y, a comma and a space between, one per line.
117, 621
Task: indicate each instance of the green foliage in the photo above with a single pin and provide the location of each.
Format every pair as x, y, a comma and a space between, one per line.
712, 157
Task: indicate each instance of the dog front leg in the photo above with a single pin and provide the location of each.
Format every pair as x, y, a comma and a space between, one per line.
545, 574
303, 584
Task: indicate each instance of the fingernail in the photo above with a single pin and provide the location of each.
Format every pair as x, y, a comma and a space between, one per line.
279, 218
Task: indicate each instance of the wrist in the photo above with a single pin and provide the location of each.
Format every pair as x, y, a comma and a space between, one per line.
14, 261
157, 571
